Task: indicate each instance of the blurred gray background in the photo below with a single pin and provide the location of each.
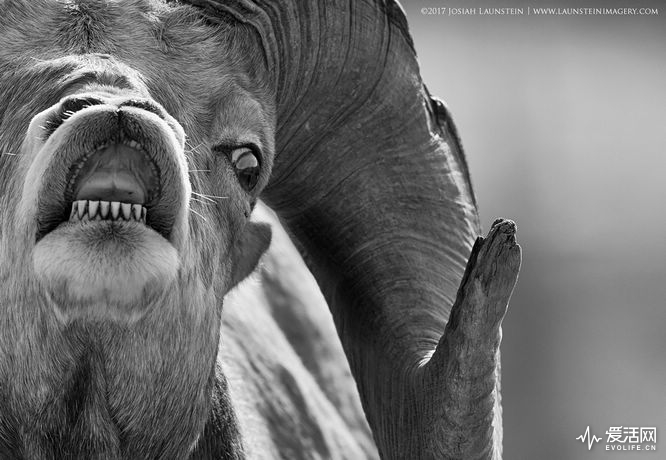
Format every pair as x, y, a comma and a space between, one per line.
563, 119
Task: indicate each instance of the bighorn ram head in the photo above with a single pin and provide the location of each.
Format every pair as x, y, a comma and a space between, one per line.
136, 137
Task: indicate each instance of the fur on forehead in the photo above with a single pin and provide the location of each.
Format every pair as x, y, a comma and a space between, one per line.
171, 46
42, 29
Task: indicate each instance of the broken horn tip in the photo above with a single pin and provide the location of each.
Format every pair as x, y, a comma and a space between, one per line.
506, 226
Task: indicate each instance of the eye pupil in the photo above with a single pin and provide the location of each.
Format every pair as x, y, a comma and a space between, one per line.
246, 165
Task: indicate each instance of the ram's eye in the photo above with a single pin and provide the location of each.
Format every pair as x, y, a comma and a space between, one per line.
246, 165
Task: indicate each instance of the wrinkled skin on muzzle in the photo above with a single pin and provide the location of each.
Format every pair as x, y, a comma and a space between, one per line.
132, 152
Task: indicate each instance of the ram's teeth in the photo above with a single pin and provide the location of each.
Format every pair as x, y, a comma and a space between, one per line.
92, 208
115, 209
136, 212
74, 209
104, 209
82, 205
144, 212
126, 209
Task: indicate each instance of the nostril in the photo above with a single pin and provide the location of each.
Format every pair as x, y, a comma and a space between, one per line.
145, 104
72, 105
68, 107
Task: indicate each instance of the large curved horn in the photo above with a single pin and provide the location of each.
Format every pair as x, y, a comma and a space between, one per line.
371, 179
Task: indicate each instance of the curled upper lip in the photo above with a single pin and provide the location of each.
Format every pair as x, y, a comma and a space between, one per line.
81, 135
75, 178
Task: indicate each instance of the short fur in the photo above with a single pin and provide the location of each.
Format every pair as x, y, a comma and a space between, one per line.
95, 355
112, 343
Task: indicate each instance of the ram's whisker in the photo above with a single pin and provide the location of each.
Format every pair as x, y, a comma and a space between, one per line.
196, 213
210, 197
203, 196
192, 149
201, 201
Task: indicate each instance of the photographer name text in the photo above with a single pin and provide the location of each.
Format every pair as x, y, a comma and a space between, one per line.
541, 11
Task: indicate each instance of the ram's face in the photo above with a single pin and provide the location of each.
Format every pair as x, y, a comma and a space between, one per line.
133, 150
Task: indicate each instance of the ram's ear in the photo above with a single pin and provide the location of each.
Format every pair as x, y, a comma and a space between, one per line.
252, 245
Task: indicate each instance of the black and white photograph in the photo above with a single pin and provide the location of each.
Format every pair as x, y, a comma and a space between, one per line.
325, 229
